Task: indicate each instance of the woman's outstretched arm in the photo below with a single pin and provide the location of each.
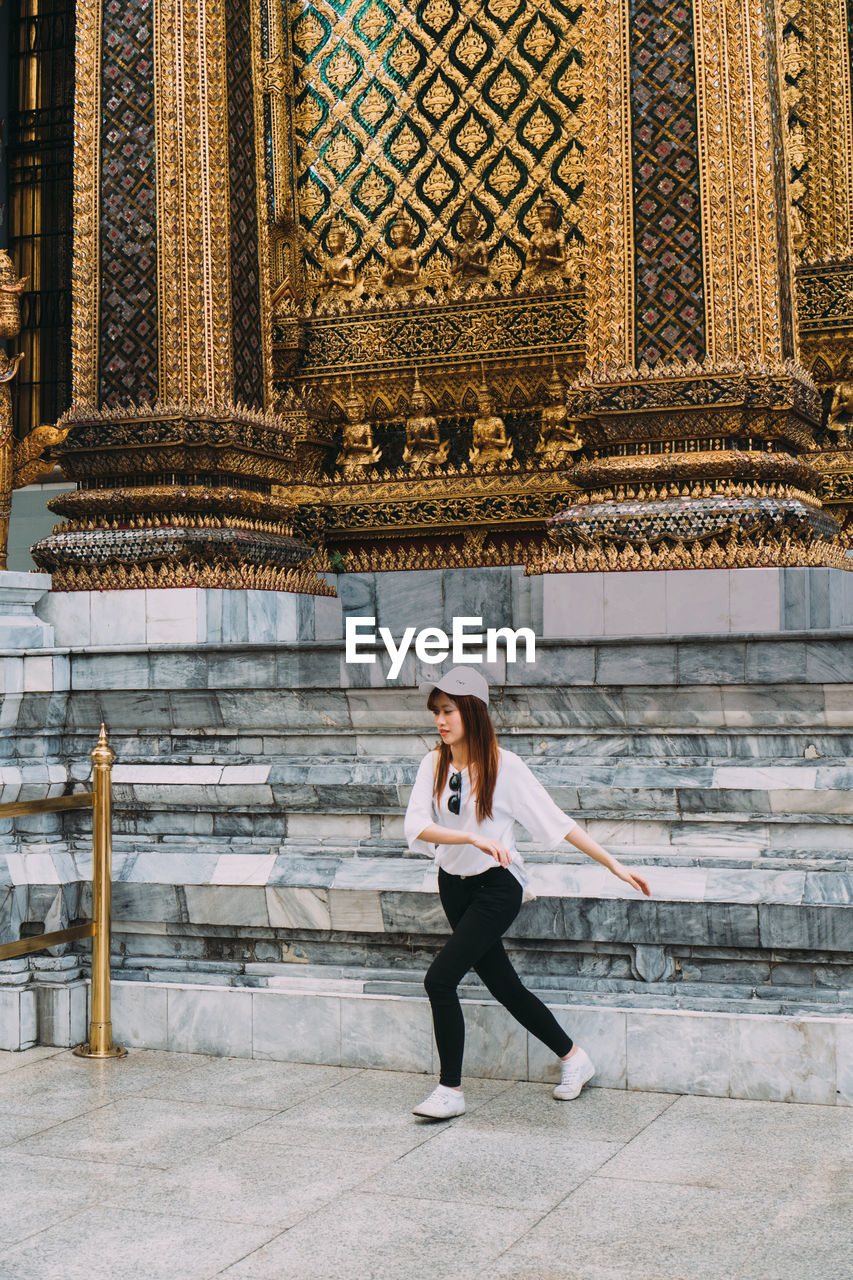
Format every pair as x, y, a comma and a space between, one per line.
583, 841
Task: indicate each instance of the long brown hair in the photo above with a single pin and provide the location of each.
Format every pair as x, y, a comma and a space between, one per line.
482, 744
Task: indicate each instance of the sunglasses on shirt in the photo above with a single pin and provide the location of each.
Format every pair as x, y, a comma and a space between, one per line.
455, 801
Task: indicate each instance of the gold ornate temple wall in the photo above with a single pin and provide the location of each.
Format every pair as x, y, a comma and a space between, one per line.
175, 452
403, 282
690, 324
816, 45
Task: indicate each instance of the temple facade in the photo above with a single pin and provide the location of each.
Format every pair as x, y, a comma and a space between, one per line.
587, 262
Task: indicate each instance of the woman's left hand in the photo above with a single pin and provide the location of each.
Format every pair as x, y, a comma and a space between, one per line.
631, 878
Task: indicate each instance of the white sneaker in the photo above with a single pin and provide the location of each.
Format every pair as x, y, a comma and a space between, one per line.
575, 1071
442, 1104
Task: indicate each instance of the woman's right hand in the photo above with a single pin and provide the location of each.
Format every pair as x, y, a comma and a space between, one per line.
492, 848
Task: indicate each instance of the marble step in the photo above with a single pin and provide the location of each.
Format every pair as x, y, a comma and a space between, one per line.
200, 799
809, 909
560, 989
797, 1056
595, 740
286, 714
715, 844
216, 870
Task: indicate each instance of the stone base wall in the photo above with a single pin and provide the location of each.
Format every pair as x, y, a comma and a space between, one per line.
804, 1059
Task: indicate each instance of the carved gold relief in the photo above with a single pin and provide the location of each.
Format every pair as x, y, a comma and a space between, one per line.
193, 221
815, 66
391, 289
439, 98
23, 461
85, 270
490, 440
276, 75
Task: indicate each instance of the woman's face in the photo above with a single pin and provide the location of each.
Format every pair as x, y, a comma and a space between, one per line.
448, 720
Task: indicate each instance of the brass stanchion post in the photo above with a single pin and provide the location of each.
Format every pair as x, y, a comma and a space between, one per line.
100, 1043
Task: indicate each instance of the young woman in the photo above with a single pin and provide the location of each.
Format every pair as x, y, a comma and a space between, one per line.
467, 795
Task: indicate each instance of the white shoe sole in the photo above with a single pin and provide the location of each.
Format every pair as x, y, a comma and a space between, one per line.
435, 1115
567, 1097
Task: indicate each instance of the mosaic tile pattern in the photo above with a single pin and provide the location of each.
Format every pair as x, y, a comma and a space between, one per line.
669, 291
128, 267
424, 102
245, 274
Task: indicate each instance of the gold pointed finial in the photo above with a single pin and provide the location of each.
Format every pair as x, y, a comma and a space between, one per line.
354, 401
102, 753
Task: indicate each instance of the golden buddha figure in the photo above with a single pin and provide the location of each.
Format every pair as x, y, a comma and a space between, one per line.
423, 443
22, 462
402, 269
357, 449
558, 434
8, 369
469, 258
490, 442
840, 413
11, 288
338, 278
546, 253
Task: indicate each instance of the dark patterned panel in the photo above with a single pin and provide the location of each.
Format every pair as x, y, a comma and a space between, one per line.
669, 291
825, 296
128, 297
463, 332
422, 102
245, 273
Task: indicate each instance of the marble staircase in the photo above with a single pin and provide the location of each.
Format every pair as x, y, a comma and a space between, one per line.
265, 904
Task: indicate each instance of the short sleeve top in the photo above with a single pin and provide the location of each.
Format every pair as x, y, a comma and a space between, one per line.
518, 797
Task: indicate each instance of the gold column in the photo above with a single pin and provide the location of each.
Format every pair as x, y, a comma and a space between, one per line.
177, 478
817, 96
746, 261
819, 139
282, 264
85, 270
731, 427
192, 202
607, 194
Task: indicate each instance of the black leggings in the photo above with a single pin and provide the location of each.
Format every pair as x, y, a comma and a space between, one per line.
481, 909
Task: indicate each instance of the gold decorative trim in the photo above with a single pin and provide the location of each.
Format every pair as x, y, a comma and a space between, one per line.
609, 189
216, 215
284, 252
245, 577
168, 28
192, 201
455, 549
817, 58
265, 77
706, 184
85, 272
743, 553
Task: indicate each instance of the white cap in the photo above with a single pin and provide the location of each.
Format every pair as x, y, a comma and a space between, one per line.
459, 682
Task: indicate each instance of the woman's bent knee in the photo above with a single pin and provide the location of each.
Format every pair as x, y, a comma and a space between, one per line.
436, 987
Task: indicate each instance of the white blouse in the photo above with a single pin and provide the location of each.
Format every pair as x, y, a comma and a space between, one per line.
518, 796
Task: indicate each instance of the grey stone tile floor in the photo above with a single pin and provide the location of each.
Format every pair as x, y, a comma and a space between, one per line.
171, 1166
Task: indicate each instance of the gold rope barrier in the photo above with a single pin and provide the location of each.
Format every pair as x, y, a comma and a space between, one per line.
100, 1042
